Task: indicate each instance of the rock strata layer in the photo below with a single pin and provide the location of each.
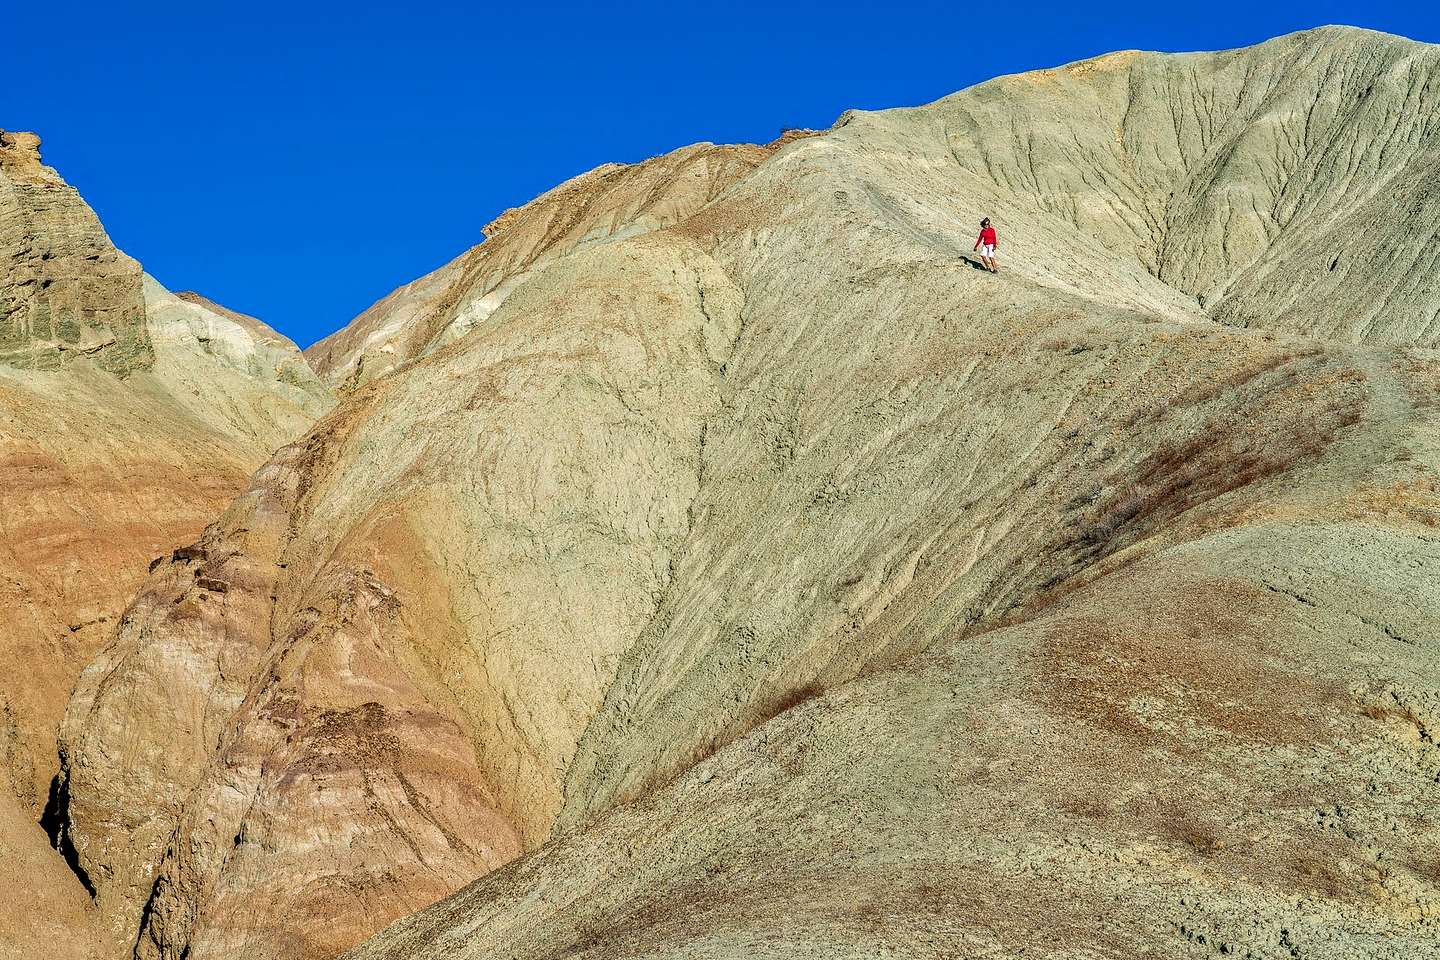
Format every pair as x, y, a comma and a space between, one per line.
65, 291
128, 419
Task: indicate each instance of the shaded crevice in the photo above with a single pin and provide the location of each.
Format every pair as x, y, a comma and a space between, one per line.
55, 821
147, 916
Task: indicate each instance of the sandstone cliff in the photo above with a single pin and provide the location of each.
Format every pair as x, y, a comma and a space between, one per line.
128, 419
784, 586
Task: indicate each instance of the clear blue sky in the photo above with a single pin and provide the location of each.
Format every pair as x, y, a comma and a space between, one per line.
297, 161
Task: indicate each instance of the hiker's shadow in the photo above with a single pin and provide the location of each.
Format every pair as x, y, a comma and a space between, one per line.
975, 263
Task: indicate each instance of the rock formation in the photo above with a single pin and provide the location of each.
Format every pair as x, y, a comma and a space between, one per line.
781, 585
65, 292
128, 419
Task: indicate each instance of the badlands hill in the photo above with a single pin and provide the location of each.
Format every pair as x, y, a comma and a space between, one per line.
610, 202
714, 563
128, 419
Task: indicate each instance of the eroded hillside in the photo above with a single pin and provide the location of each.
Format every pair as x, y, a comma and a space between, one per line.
612, 201
130, 418
783, 585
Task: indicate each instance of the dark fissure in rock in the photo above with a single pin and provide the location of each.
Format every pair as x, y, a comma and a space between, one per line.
55, 821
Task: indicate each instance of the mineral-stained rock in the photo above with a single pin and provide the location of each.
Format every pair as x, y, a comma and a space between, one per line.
102, 474
128, 419
783, 585
431, 806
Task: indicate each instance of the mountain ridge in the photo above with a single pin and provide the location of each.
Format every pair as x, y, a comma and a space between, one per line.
722, 531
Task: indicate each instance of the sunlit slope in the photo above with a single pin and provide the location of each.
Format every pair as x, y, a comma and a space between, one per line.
128, 418
785, 585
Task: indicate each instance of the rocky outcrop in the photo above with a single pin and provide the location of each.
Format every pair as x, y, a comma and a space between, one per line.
102, 474
340, 601
128, 419
65, 291
782, 585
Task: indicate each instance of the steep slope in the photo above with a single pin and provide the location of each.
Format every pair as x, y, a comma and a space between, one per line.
66, 292
787, 587
128, 419
1154, 767
895, 163
1296, 191
609, 201
324, 736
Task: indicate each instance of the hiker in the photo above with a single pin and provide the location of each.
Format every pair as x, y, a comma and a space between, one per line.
985, 243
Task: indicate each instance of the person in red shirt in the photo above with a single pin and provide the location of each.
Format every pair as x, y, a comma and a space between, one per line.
986, 244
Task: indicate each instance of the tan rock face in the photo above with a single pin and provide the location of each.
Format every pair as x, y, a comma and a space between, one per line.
1278, 193
1165, 783
102, 475
121, 436
47, 913
439, 806
783, 585
65, 291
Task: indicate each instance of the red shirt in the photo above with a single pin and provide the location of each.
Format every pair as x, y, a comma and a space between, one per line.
987, 235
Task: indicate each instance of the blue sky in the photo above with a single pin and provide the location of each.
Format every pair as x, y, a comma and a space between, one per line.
298, 161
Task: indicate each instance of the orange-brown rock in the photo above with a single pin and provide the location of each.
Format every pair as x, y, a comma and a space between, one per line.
128, 419
47, 912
